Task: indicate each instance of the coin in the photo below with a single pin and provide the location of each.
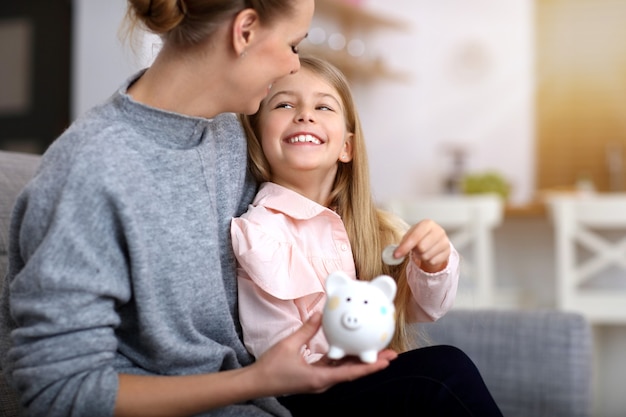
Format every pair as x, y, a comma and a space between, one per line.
388, 256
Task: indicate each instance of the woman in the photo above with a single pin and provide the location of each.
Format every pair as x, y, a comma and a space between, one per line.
121, 292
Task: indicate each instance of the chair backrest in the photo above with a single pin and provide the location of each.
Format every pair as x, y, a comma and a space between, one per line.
590, 247
469, 222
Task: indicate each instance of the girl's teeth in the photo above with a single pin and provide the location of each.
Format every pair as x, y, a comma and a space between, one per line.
305, 138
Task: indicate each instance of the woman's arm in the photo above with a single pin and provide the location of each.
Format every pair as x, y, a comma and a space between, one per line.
281, 370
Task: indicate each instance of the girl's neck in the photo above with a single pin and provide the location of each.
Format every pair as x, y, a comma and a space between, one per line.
313, 190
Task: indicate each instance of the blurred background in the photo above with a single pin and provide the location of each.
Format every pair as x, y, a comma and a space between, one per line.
520, 97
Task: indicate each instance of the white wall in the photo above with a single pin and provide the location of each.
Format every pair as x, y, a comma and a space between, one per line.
101, 59
471, 84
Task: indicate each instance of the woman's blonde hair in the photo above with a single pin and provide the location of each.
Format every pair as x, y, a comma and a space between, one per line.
188, 22
369, 229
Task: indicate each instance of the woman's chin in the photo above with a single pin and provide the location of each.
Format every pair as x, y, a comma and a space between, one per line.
252, 108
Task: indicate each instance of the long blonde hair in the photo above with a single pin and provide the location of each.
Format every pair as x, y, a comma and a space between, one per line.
369, 229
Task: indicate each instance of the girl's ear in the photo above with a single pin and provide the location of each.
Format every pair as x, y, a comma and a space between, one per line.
346, 154
245, 25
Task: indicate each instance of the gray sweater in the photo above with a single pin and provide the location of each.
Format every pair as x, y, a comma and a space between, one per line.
121, 260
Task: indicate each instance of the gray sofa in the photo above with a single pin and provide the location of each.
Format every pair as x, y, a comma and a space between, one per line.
536, 363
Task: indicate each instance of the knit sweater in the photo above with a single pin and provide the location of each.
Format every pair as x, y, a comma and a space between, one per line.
121, 259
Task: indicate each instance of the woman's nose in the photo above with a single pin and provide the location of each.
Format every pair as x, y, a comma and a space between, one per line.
296, 65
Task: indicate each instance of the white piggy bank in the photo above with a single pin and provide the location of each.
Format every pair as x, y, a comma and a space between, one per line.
359, 316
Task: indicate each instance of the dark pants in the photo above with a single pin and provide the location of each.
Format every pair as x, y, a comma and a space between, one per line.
432, 381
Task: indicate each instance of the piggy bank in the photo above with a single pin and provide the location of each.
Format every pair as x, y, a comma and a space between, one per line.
359, 316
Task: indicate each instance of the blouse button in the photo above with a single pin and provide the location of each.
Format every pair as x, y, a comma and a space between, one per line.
344, 247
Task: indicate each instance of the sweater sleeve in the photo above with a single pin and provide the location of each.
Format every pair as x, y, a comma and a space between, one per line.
433, 293
67, 244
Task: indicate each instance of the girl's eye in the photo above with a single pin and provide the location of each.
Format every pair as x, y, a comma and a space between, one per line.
284, 106
325, 108
294, 49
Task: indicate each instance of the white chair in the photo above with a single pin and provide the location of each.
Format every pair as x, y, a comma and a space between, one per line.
590, 252
469, 222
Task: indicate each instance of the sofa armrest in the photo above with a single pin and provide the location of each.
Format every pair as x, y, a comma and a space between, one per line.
535, 363
16, 169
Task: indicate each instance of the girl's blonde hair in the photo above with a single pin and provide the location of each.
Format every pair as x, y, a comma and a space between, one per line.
369, 229
188, 22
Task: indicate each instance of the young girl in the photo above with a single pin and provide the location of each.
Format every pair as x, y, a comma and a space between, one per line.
313, 215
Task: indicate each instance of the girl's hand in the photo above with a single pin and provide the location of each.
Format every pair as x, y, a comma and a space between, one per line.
429, 245
283, 370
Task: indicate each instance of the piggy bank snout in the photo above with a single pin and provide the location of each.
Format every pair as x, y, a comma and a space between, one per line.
350, 320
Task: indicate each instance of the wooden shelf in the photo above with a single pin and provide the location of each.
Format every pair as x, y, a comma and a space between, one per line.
534, 209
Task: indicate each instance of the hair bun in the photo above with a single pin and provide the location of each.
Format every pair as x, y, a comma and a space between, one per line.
159, 16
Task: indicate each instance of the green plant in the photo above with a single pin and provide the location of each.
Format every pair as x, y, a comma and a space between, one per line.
487, 182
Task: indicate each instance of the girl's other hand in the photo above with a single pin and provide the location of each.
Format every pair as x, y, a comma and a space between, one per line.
429, 245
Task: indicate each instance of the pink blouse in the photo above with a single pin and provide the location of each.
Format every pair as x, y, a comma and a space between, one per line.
286, 246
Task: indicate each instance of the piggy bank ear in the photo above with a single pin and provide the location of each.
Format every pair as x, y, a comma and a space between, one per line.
386, 284
336, 280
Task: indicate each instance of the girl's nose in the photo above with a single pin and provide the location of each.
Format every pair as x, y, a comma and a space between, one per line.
305, 115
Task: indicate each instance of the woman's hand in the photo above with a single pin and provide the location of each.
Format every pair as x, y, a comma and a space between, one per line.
429, 245
283, 369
